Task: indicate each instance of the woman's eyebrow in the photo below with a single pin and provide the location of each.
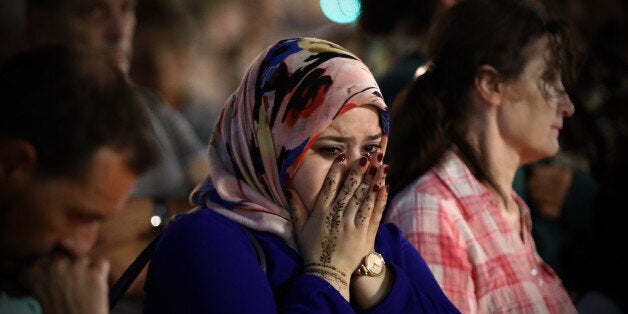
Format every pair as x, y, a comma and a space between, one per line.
347, 138
374, 137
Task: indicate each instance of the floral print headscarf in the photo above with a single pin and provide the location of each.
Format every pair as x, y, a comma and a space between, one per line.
290, 93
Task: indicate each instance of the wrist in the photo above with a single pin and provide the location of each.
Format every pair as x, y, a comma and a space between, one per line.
372, 265
368, 291
337, 278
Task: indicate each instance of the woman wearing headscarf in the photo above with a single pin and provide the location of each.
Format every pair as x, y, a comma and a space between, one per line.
295, 161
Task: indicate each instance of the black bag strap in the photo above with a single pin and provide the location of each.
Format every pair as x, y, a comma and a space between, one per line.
130, 274
128, 277
259, 251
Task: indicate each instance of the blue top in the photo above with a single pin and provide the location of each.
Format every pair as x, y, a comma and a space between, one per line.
205, 263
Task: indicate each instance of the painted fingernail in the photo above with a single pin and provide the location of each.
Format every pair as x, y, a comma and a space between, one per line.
367, 155
380, 157
363, 161
375, 188
341, 158
386, 169
387, 188
373, 170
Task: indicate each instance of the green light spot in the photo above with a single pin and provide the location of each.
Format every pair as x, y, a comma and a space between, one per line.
341, 11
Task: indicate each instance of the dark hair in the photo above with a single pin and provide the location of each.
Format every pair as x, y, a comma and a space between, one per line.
379, 17
68, 104
46, 5
430, 117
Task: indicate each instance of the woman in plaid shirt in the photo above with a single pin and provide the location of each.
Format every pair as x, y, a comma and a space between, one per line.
491, 99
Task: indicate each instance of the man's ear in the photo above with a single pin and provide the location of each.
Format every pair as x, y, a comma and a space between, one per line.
18, 158
488, 85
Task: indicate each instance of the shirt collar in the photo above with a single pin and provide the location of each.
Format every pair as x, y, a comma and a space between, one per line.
457, 176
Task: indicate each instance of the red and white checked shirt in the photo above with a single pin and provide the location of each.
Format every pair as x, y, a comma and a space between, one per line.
481, 263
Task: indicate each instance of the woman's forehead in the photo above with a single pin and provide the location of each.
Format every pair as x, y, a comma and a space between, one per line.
363, 121
539, 55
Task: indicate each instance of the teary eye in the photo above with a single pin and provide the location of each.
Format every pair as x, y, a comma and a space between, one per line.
331, 151
372, 148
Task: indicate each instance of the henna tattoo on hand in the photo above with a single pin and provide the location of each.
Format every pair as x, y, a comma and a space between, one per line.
333, 219
329, 245
332, 223
329, 183
362, 214
361, 192
329, 273
342, 273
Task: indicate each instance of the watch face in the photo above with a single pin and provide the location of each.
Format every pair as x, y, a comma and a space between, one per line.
374, 263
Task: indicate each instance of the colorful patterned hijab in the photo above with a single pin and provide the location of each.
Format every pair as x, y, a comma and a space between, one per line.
290, 93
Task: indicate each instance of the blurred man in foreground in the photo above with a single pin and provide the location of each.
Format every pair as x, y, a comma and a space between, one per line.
74, 135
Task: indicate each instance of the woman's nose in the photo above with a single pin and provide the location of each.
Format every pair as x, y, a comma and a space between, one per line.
357, 157
566, 106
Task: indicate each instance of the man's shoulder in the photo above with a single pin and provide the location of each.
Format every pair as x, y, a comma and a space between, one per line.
19, 305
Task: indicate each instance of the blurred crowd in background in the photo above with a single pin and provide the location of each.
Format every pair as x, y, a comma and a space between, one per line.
195, 51
208, 42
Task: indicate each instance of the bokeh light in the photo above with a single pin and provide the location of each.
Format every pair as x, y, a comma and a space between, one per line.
341, 11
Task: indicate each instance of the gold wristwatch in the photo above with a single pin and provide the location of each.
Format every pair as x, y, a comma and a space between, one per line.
373, 265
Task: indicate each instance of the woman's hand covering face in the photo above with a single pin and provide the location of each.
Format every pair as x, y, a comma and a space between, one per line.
340, 229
